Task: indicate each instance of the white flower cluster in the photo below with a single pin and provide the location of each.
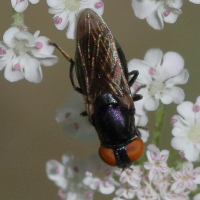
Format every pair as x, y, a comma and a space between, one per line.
156, 12
152, 180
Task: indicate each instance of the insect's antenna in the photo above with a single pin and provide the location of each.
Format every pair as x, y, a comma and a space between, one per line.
63, 53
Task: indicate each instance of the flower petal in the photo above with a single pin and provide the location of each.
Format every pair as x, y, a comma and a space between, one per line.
63, 20
191, 152
151, 104
185, 109
70, 34
32, 69
173, 64
21, 6
155, 20
179, 79
12, 75
153, 57
179, 143
8, 36
173, 94
143, 9
34, 1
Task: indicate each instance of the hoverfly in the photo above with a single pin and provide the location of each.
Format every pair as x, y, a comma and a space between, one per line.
102, 74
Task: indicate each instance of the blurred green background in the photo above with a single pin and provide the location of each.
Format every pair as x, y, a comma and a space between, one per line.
30, 136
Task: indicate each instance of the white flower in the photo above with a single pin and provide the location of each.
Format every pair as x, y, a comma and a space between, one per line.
160, 74
186, 177
21, 5
74, 125
69, 178
126, 192
99, 176
141, 121
66, 12
22, 55
157, 11
186, 130
156, 162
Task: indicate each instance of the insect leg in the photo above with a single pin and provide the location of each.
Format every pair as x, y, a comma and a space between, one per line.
83, 114
78, 89
135, 74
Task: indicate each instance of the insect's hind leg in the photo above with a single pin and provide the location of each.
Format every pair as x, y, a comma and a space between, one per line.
78, 89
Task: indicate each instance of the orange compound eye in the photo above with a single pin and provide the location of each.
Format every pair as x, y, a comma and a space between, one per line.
107, 155
135, 149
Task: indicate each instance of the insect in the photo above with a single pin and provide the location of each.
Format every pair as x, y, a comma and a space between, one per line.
102, 74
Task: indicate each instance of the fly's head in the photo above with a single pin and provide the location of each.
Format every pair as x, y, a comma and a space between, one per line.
123, 156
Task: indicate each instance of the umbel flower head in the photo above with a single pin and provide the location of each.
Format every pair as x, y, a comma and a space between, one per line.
66, 13
22, 54
159, 74
186, 130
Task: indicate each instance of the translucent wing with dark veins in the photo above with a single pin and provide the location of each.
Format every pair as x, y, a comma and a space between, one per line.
98, 65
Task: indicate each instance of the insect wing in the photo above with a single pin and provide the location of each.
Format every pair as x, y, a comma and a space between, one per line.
98, 66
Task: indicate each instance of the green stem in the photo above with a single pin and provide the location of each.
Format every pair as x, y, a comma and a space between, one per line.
18, 19
159, 120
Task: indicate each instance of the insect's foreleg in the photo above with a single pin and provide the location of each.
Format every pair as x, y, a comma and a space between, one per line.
83, 114
78, 89
135, 74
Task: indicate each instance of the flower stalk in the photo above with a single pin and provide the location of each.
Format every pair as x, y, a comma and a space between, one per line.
159, 120
18, 21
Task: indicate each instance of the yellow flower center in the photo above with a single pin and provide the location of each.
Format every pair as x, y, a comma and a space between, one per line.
194, 133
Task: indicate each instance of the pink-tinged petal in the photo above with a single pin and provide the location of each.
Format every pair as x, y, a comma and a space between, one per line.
185, 109
32, 69
12, 75
9, 35
164, 154
97, 6
55, 172
153, 57
21, 6
70, 34
173, 64
179, 122
196, 197
63, 20
151, 104
197, 110
46, 48
173, 94
178, 187
179, 79
172, 17
153, 149
143, 9
155, 20
179, 143
191, 152
34, 1
176, 131
143, 69
52, 3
